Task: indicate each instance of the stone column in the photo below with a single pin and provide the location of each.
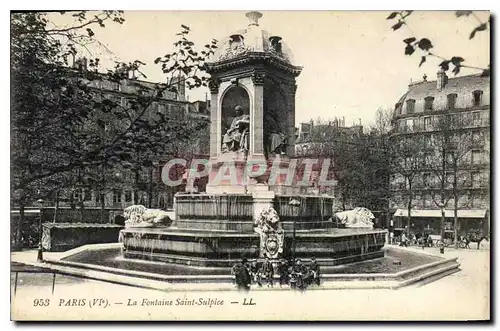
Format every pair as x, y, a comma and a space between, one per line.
215, 140
257, 115
290, 149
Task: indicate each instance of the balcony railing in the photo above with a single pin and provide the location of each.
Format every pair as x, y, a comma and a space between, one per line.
418, 127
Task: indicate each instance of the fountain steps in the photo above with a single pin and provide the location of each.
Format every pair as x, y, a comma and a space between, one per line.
412, 277
227, 262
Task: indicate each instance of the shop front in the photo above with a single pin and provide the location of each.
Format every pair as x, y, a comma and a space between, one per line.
429, 221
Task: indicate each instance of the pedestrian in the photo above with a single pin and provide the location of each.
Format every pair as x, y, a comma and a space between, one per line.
267, 271
255, 273
242, 275
299, 272
315, 271
404, 240
283, 272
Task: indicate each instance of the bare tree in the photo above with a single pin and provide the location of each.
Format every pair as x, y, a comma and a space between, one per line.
407, 160
453, 144
383, 121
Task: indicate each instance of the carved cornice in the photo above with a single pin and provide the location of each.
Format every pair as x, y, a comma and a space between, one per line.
253, 58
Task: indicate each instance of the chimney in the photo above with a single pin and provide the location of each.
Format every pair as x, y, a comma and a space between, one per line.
253, 17
80, 64
442, 79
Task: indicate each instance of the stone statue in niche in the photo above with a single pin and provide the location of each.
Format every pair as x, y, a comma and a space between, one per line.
236, 137
275, 138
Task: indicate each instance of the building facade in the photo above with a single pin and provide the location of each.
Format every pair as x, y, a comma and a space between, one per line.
128, 187
455, 111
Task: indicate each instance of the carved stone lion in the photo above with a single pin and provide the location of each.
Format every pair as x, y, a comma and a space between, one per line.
359, 217
140, 216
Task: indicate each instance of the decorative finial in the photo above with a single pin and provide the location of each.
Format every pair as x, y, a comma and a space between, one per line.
425, 77
253, 16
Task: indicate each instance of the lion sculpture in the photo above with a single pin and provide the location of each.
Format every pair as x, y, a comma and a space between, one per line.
140, 216
359, 217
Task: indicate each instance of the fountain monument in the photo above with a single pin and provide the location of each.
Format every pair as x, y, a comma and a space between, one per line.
249, 213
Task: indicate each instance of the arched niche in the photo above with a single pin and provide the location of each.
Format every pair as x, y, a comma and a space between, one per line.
235, 96
275, 112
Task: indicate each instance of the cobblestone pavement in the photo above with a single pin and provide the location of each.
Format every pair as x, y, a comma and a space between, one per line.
460, 296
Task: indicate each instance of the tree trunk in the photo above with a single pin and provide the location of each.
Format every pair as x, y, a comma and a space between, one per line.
409, 217
455, 205
102, 195
455, 223
136, 190
82, 208
443, 218
56, 208
410, 200
150, 191
18, 235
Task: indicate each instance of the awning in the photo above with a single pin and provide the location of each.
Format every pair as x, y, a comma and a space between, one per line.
467, 213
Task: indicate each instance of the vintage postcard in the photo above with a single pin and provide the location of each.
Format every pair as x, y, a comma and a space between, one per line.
250, 165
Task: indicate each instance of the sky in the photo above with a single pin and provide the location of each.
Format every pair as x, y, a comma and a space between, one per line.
353, 63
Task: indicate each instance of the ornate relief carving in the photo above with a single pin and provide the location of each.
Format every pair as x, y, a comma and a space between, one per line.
213, 85
258, 78
234, 47
267, 224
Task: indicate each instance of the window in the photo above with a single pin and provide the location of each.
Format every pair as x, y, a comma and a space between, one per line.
476, 179
162, 108
476, 118
77, 195
449, 179
452, 101
397, 107
426, 179
117, 196
450, 157
97, 197
427, 123
426, 158
87, 195
477, 138
409, 124
476, 157
427, 200
410, 106
428, 103
123, 102
477, 98
427, 141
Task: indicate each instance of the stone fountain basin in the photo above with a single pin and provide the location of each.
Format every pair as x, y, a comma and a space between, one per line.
213, 248
104, 262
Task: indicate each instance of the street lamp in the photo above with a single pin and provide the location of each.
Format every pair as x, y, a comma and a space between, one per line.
39, 257
294, 203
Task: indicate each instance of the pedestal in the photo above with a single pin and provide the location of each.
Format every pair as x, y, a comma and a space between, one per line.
262, 198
